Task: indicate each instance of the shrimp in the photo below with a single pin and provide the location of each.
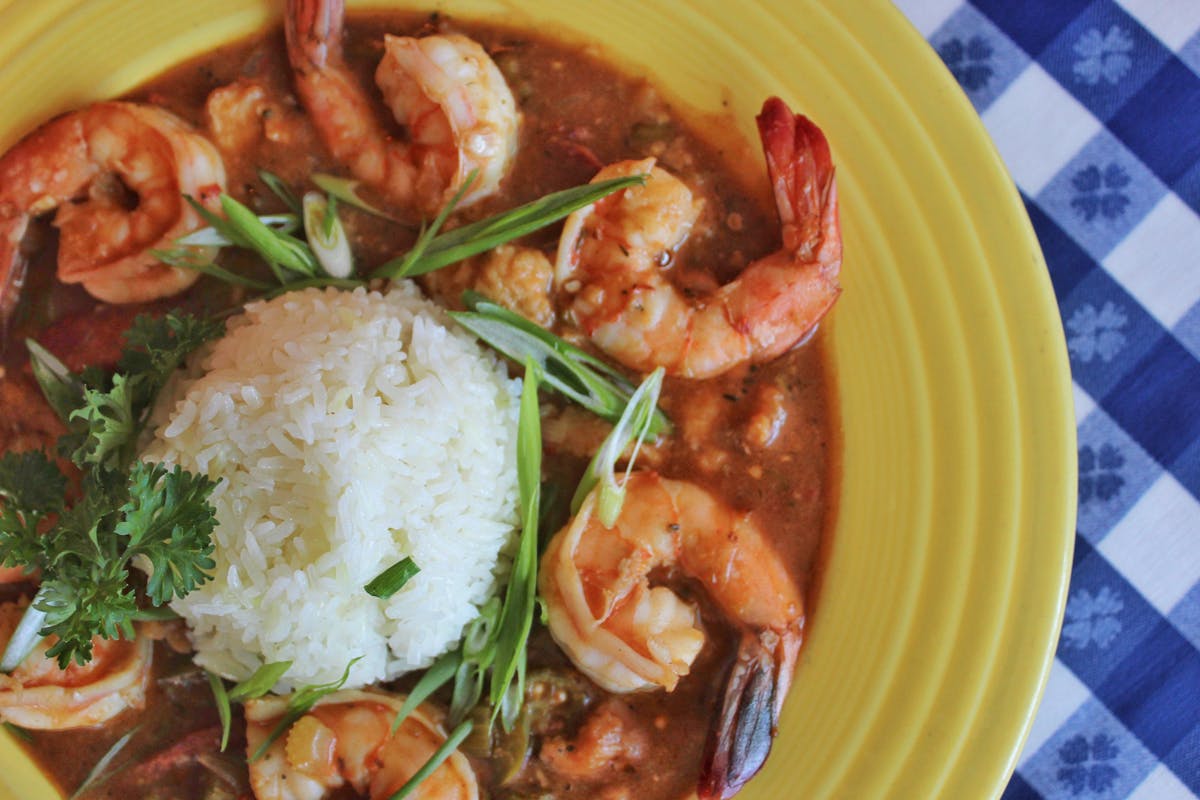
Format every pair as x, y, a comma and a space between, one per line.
610, 264
241, 113
449, 95
346, 738
39, 695
86, 164
518, 278
627, 635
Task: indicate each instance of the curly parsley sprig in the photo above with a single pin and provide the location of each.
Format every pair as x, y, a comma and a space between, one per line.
128, 510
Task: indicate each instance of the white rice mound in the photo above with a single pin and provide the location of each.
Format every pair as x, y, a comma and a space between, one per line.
347, 430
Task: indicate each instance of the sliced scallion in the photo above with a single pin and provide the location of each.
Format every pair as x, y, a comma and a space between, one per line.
486, 234
275, 248
633, 427
516, 615
326, 236
434, 678
407, 263
211, 237
284, 192
224, 712
184, 259
25, 638
347, 191
62, 388
261, 682
441, 754
256, 685
477, 653
96, 776
155, 614
392, 579
577, 375
299, 704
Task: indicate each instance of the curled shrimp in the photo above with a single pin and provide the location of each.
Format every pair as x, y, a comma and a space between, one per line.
39, 695
347, 738
610, 261
91, 165
446, 91
627, 635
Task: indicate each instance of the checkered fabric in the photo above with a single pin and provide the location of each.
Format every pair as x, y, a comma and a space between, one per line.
1095, 107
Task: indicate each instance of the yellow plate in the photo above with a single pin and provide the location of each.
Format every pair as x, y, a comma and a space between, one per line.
945, 587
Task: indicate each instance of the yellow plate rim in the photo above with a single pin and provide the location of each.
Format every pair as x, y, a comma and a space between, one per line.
888, 702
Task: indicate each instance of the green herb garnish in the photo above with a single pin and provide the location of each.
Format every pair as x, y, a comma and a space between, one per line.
441, 754
392, 579
96, 776
486, 234
300, 703
577, 375
434, 678
326, 235
128, 509
346, 190
406, 265
224, 711
632, 428
284, 192
255, 686
211, 237
516, 617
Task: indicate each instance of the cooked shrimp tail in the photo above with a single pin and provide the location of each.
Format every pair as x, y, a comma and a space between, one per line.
800, 169
740, 739
613, 262
457, 111
627, 634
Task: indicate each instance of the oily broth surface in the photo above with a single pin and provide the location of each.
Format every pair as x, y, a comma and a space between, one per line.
578, 113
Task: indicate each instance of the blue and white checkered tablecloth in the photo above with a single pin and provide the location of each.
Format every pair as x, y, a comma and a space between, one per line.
1095, 107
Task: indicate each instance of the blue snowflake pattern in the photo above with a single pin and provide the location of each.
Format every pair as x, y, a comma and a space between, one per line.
1093, 333
1100, 473
968, 62
1085, 766
1103, 56
1092, 619
1098, 192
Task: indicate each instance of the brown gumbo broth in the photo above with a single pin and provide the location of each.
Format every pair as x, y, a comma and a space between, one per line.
758, 437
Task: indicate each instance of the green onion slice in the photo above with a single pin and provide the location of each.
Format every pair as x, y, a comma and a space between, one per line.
224, 712
407, 264
96, 777
256, 685
326, 236
486, 234
441, 754
346, 190
211, 237
633, 427
392, 579
62, 388
261, 682
284, 192
516, 616
577, 375
25, 638
186, 259
276, 248
299, 704
434, 678
155, 614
